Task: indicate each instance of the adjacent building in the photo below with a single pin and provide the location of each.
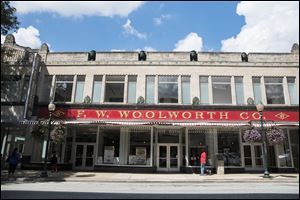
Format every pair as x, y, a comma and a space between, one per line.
151, 111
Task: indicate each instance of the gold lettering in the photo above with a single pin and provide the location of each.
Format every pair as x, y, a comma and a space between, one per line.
160, 116
124, 113
175, 114
189, 115
211, 114
147, 116
100, 113
199, 115
79, 113
256, 115
139, 116
242, 115
223, 114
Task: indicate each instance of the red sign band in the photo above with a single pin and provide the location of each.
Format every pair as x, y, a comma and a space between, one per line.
171, 115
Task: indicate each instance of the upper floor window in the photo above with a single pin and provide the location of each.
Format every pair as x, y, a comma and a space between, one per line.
79, 89
239, 90
294, 97
221, 90
46, 89
97, 88
185, 89
131, 93
204, 90
274, 90
167, 89
150, 85
114, 88
256, 89
64, 88
14, 88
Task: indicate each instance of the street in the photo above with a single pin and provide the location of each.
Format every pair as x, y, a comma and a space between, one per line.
108, 190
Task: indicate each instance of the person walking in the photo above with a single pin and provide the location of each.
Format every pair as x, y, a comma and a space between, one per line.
54, 162
202, 162
13, 160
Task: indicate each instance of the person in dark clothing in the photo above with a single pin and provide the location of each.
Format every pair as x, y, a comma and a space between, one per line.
13, 160
54, 162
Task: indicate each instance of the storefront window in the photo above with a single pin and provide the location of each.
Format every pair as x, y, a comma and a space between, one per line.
86, 134
167, 89
274, 90
97, 88
284, 152
139, 147
294, 137
229, 146
168, 136
221, 90
68, 146
111, 143
114, 88
63, 89
197, 144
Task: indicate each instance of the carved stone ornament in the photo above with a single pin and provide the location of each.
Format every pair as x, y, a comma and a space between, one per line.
87, 99
244, 57
92, 55
193, 56
9, 39
250, 101
142, 56
140, 100
196, 101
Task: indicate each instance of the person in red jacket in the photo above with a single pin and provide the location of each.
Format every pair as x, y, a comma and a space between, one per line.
202, 162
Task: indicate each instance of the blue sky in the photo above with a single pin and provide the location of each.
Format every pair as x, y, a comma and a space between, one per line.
159, 26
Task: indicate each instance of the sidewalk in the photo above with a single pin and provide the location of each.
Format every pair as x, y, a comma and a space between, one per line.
34, 176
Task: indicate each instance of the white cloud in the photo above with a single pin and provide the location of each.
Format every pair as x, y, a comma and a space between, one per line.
2, 39
146, 48
79, 8
130, 30
117, 50
270, 27
27, 37
158, 21
191, 42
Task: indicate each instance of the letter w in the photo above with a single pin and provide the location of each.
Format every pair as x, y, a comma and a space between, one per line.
175, 114
101, 113
124, 113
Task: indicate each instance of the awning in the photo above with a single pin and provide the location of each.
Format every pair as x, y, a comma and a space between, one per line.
132, 123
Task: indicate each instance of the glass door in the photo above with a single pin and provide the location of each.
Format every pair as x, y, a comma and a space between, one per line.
84, 156
168, 157
253, 158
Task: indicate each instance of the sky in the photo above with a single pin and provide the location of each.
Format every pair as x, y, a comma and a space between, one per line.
228, 26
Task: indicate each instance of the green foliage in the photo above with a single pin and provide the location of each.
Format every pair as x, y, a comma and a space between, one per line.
9, 21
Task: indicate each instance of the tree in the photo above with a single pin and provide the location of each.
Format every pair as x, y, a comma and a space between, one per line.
8, 19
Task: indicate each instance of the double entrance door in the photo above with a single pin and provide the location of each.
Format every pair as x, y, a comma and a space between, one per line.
84, 156
168, 157
253, 156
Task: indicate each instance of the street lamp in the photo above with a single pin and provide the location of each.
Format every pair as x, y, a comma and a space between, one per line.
260, 108
51, 108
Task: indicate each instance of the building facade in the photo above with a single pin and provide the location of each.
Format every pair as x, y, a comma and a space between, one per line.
157, 111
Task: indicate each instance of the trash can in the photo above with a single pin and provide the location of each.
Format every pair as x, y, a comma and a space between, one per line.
220, 164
